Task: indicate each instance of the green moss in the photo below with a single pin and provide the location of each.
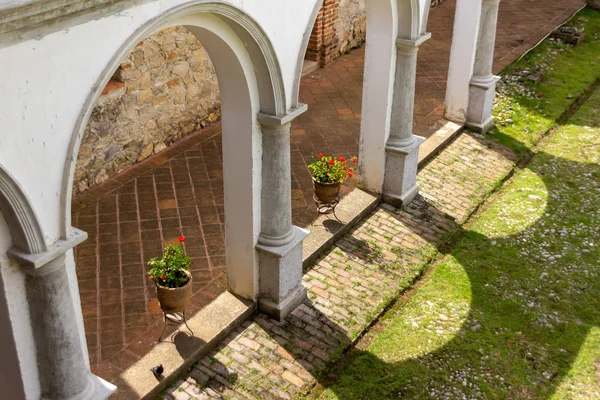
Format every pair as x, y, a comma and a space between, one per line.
570, 71
514, 310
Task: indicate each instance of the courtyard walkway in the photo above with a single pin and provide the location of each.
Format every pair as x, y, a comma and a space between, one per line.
351, 283
511, 310
180, 191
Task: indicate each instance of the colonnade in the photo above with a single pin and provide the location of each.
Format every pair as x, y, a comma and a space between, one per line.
64, 373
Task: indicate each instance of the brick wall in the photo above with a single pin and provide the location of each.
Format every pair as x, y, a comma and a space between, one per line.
323, 41
340, 27
165, 89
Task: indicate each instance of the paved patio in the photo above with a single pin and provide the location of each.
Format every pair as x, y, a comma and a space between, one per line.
180, 191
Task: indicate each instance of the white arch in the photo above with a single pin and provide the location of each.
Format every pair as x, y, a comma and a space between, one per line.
24, 225
302, 53
250, 82
259, 48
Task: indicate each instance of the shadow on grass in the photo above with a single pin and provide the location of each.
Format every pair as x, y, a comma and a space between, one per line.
533, 304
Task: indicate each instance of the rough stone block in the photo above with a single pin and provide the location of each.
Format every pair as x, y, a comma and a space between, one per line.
400, 182
280, 286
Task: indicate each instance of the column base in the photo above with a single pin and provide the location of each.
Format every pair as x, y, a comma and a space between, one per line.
96, 389
480, 127
481, 103
102, 388
401, 165
280, 277
280, 311
403, 200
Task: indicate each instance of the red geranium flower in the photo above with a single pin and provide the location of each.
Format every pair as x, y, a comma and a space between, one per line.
354, 160
350, 174
345, 168
331, 162
320, 155
163, 277
341, 159
181, 239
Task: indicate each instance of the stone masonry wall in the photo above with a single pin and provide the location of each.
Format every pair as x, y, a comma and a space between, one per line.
351, 26
166, 88
340, 27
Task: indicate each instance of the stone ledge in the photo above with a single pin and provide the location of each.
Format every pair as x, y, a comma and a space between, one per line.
325, 230
445, 133
210, 326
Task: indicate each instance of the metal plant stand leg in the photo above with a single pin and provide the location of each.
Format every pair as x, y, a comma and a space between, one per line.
174, 319
327, 208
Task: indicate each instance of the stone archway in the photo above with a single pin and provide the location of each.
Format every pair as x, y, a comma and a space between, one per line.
256, 115
250, 83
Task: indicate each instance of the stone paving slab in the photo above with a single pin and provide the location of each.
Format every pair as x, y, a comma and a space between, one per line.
179, 351
351, 283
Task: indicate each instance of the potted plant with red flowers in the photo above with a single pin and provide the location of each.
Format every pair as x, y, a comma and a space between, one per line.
328, 174
172, 278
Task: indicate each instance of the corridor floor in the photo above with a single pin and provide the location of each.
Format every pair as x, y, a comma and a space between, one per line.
180, 191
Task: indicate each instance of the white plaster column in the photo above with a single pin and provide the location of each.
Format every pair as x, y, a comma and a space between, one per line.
280, 243
462, 58
402, 149
483, 82
62, 364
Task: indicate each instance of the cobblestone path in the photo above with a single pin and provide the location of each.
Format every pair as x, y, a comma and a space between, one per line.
351, 283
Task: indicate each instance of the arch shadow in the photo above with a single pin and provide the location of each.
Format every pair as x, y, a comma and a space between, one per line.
520, 316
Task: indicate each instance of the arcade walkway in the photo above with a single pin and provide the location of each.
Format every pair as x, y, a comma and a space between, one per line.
180, 191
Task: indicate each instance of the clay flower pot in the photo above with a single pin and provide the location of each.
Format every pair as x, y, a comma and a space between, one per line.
174, 300
327, 192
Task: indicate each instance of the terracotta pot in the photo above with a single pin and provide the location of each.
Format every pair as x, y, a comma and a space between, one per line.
327, 192
174, 300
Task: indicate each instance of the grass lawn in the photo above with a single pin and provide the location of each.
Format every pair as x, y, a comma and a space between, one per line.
525, 110
514, 310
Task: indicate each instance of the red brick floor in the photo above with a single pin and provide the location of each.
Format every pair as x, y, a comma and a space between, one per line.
180, 191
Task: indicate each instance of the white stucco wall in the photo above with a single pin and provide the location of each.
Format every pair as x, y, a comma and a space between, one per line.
462, 58
46, 82
43, 89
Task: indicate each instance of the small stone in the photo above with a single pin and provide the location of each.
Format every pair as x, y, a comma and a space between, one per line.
181, 68
144, 95
159, 147
111, 153
146, 152
151, 124
102, 176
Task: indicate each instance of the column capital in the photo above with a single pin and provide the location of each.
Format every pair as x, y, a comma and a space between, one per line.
280, 120
411, 44
32, 263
